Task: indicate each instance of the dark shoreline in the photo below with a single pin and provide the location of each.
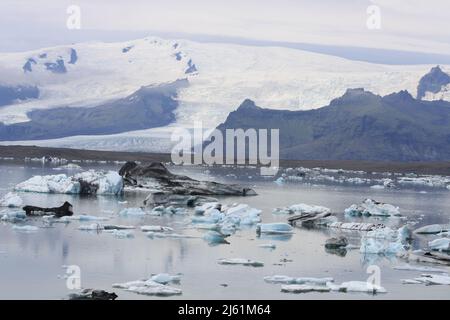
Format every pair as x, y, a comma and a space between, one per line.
21, 152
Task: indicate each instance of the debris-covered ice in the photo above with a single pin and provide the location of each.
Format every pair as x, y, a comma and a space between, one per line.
156, 229
240, 261
303, 288
11, 200
357, 286
371, 207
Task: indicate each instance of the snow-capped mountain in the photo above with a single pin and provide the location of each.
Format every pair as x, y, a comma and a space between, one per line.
220, 77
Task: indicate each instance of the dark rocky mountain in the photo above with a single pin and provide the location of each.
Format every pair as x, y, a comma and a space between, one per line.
9, 95
357, 126
148, 107
433, 82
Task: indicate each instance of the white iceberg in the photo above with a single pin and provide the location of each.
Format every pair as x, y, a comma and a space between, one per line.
148, 287
357, 286
12, 215
240, 261
441, 244
430, 279
82, 217
11, 200
106, 183
302, 208
165, 278
371, 207
274, 228
214, 237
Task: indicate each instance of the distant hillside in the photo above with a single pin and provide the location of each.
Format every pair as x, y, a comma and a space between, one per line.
357, 126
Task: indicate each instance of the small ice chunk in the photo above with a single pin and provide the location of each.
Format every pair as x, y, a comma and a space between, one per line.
371, 207
408, 267
274, 228
267, 245
240, 261
214, 237
357, 286
303, 288
25, 228
302, 208
300, 280
91, 227
279, 279
11, 200
12, 215
165, 278
161, 290
83, 217
132, 212
156, 229
152, 234
433, 279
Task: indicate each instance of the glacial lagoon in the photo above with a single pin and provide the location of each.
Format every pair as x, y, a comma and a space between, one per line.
32, 263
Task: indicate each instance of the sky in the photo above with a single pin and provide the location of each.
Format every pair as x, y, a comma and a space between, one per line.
418, 27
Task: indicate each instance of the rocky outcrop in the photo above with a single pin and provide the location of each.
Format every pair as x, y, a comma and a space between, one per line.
432, 82
157, 178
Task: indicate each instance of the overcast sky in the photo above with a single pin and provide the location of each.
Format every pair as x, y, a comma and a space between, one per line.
410, 25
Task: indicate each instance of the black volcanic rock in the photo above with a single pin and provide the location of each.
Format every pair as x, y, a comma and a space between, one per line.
356, 126
433, 82
148, 107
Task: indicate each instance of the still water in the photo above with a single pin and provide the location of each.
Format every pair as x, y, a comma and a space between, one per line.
31, 264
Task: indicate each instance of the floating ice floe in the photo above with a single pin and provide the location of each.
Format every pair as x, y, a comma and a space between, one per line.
214, 237
302, 208
299, 280
229, 220
303, 288
240, 261
83, 217
11, 200
151, 234
357, 286
274, 228
12, 216
408, 267
371, 207
385, 241
156, 229
432, 229
165, 278
132, 212
420, 256
442, 244
429, 279
148, 287
88, 182
25, 228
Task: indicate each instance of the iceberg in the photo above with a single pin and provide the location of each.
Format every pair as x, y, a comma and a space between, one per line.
274, 228
441, 244
214, 237
357, 286
241, 261
302, 208
88, 182
151, 234
432, 229
371, 207
408, 267
12, 216
11, 200
82, 217
429, 279
165, 278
